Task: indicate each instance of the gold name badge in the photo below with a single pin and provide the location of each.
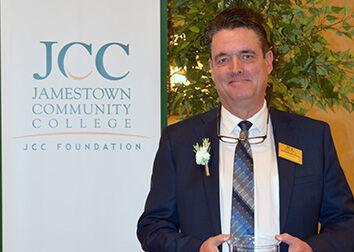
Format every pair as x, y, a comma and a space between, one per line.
290, 153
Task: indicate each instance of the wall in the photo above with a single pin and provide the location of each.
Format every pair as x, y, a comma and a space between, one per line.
340, 120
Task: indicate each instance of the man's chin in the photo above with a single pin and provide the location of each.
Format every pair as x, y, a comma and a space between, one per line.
242, 93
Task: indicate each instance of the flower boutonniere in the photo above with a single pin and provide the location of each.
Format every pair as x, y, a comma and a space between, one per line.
202, 154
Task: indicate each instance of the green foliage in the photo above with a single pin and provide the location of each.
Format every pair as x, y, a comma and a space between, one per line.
306, 72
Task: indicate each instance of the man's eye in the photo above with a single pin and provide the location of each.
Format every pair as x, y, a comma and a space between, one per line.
222, 60
247, 57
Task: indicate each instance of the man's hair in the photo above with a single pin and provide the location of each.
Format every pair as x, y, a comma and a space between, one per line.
238, 18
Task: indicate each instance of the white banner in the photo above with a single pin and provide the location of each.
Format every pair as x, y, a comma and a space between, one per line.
80, 86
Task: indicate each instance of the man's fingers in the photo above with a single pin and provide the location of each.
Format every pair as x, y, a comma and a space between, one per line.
219, 239
286, 238
295, 244
211, 245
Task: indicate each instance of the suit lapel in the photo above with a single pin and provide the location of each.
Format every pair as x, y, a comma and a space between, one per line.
211, 183
284, 133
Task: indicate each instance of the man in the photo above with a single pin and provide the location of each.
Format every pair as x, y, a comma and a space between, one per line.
297, 178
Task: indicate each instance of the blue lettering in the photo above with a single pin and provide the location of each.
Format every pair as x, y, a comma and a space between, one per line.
48, 45
99, 61
63, 51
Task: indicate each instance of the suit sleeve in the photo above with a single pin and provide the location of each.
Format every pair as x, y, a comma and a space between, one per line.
158, 227
337, 209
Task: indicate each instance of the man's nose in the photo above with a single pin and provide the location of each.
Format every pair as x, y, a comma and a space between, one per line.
236, 66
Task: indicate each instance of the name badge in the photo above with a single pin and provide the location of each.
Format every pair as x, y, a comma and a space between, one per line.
290, 153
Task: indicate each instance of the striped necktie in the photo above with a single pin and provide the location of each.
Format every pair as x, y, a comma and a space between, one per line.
242, 213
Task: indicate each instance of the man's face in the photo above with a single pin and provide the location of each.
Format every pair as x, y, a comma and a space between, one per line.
239, 68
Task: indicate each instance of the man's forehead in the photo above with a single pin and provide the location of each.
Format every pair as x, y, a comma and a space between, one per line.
242, 32
238, 40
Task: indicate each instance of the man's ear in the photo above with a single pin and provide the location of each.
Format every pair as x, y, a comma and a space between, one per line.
269, 61
211, 67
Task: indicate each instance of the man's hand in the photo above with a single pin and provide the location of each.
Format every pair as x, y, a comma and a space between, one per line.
211, 245
295, 244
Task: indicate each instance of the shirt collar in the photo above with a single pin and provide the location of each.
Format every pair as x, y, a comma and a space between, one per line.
229, 122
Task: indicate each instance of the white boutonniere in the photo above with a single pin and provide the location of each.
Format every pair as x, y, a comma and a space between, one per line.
202, 154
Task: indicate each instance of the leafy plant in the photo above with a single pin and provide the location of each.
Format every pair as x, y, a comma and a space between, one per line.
306, 71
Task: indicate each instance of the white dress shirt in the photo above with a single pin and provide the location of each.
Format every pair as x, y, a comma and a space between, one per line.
266, 182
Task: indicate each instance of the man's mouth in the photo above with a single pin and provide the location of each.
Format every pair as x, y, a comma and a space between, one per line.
238, 81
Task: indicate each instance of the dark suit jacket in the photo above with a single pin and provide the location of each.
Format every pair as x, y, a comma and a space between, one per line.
182, 209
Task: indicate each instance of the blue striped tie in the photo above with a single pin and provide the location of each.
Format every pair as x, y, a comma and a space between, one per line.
242, 213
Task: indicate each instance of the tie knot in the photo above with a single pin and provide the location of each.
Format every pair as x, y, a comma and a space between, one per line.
245, 125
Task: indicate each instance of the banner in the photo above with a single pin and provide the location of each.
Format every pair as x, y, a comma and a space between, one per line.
80, 94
